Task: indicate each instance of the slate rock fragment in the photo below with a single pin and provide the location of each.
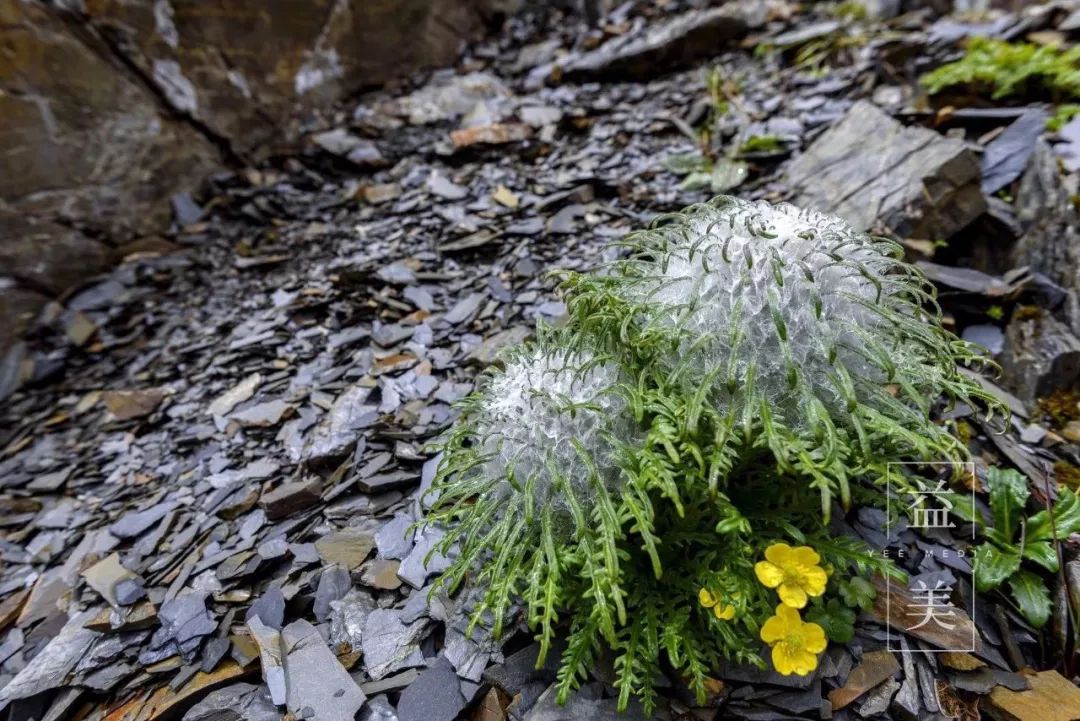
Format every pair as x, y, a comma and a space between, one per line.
874, 668
268, 608
184, 621
337, 432
50, 667
236, 702
317, 686
519, 669
417, 566
394, 539
1051, 697
127, 405
581, 706
290, 498
1041, 355
389, 644
434, 696
1006, 157
917, 183
107, 576
334, 583
675, 42
134, 523
1051, 225
271, 656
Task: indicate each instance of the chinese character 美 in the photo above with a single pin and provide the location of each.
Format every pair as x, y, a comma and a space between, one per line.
933, 516
933, 605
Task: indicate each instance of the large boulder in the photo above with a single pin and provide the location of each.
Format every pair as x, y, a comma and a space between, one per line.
251, 71
84, 141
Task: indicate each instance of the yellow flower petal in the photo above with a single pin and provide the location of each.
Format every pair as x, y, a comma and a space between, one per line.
805, 556
769, 574
778, 553
782, 660
813, 638
774, 629
788, 659
725, 613
706, 599
814, 580
791, 595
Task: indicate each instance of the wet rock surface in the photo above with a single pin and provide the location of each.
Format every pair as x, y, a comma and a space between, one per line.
212, 456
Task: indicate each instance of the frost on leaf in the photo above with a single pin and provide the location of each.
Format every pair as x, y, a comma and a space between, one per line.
544, 425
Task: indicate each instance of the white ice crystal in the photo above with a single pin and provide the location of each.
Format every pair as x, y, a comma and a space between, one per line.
783, 300
533, 414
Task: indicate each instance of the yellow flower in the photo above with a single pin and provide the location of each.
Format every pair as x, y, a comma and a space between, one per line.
795, 643
793, 572
725, 612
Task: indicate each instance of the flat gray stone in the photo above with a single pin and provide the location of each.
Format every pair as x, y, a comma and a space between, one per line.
390, 645
334, 583
416, 567
914, 181
271, 658
50, 667
268, 608
317, 686
579, 706
878, 699
236, 702
338, 431
664, 45
394, 540
434, 696
133, 523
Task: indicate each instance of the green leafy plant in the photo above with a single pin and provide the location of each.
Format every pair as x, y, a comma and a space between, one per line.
763, 144
1062, 115
1005, 69
703, 173
1013, 539
743, 371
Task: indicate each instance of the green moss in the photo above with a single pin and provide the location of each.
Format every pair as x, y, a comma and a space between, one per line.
852, 10
1006, 70
1067, 474
762, 144
1062, 115
1061, 407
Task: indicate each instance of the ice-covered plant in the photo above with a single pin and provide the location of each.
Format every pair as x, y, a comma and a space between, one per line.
716, 391
789, 332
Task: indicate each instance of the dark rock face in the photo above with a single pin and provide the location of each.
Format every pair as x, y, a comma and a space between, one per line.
1051, 240
84, 142
1041, 356
111, 109
46, 256
245, 69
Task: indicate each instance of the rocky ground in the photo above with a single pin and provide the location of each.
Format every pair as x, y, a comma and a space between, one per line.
210, 458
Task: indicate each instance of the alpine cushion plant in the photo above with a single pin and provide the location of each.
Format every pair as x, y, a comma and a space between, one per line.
633, 478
